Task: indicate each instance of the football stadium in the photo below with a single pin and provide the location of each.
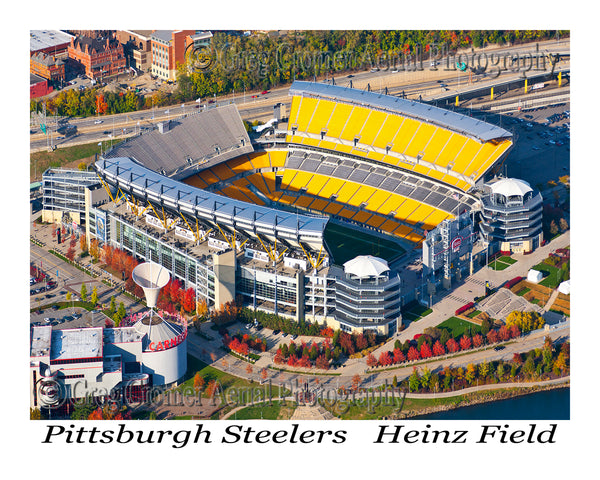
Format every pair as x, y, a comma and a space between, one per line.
310, 218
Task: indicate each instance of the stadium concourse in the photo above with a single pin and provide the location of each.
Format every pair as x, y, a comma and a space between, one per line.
243, 216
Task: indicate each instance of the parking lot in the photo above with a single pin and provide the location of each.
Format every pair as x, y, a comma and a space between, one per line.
76, 317
541, 152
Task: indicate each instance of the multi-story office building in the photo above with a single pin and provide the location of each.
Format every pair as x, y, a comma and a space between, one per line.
168, 51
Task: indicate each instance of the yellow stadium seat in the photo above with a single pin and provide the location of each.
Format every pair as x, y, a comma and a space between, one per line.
388, 131
448, 153
277, 158
260, 160
420, 140
327, 144
318, 204
422, 169
222, 171
403, 231
300, 180
333, 208
362, 216
355, 123
343, 148
362, 195
419, 214
438, 142
287, 199
303, 202
294, 110
269, 178
331, 187
317, 182
195, 181
407, 208
435, 218
346, 213
391, 205
305, 112
389, 226
372, 127
375, 221
347, 189
377, 199
235, 193
414, 237
405, 135
466, 155
338, 119
321, 116
240, 164
258, 182
288, 176
486, 157
208, 176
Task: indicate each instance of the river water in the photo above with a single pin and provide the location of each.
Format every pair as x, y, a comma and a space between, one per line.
546, 405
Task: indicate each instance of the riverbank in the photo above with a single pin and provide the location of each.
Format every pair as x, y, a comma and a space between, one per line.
473, 399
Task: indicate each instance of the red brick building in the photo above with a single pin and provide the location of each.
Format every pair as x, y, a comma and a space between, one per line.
101, 57
47, 66
38, 86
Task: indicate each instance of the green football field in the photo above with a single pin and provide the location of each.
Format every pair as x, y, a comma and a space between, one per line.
346, 243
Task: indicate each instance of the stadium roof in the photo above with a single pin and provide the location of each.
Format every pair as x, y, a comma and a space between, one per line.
149, 185
366, 266
510, 187
421, 111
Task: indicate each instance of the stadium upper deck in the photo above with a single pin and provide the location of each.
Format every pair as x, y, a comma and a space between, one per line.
445, 146
184, 145
145, 185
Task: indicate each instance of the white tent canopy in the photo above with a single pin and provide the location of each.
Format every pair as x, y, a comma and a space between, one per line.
565, 287
534, 276
366, 266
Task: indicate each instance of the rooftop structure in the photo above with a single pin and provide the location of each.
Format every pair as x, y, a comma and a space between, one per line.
49, 41
180, 147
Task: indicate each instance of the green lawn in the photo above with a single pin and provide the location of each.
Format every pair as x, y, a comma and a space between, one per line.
498, 265
507, 259
457, 326
225, 380
551, 275
416, 313
346, 243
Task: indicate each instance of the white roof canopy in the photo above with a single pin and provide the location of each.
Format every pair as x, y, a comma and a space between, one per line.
366, 266
510, 187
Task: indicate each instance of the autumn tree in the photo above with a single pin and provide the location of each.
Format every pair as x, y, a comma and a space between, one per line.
198, 381
385, 358
371, 360
452, 346
412, 354
94, 297
425, 351
189, 300
470, 373
438, 349
83, 292
355, 381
